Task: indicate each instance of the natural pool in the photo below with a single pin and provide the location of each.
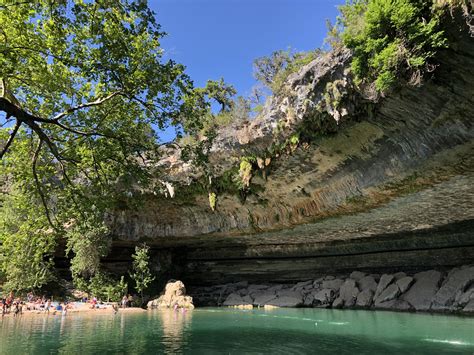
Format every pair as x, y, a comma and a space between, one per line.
218, 330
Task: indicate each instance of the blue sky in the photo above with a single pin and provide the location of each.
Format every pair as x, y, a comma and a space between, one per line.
221, 38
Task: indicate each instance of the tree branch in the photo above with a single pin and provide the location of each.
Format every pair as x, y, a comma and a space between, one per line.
7, 121
20, 114
38, 185
43, 136
88, 104
81, 133
10, 139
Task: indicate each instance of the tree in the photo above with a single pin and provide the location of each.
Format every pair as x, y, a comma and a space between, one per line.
220, 92
83, 87
26, 246
267, 67
84, 81
141, 273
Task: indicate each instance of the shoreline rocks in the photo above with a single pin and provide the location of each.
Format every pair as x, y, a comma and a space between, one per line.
426, 291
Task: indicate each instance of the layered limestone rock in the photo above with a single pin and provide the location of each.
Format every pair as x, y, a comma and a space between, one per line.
411, 132
173, 296
432, 291
376, 184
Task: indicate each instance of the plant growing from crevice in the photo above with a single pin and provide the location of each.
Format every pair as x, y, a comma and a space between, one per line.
212, 200
245, 171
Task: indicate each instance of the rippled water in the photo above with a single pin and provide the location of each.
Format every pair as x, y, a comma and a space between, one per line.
218, 330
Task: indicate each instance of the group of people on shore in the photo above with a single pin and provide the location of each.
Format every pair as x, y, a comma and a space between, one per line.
127, 301
17, 305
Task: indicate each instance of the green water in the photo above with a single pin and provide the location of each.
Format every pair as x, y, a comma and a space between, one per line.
227, 331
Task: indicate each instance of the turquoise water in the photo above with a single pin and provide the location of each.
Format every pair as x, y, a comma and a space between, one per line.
228, 331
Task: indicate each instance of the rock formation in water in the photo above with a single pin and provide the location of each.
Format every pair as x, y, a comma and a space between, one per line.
335, 179
173, 296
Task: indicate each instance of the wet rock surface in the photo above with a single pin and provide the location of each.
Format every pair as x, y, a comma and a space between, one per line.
450, 291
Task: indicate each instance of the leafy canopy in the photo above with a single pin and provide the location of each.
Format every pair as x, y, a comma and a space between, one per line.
83, 88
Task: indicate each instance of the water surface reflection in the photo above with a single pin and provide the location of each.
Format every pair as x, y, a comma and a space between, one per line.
285, 331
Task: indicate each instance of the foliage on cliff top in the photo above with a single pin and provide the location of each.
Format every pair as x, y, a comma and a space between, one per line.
393, 39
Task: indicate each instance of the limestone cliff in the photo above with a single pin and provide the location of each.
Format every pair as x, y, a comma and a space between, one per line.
371, 182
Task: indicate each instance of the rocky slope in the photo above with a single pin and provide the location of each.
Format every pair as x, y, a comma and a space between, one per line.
377, 184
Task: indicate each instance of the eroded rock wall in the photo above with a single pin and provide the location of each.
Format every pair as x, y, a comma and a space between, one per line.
406, 133
388, 188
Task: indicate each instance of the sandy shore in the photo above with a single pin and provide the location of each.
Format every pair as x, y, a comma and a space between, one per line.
107, 309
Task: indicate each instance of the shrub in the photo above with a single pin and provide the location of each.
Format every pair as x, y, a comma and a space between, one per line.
273, 70
391, 39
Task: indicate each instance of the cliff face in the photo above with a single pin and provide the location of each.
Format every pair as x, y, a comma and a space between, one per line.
385, 183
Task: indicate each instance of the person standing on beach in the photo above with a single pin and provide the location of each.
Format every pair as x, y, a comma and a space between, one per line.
4, 306
124, 301
16, 308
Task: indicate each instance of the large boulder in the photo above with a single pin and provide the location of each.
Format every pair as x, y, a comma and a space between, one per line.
385, 280
173, 295
469, 308
399, 275
364, 298
404, 283
338, 303
421, 293
463, 298
308, 300
324, 297
390, 293
456, 281
348, 292
367, 283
